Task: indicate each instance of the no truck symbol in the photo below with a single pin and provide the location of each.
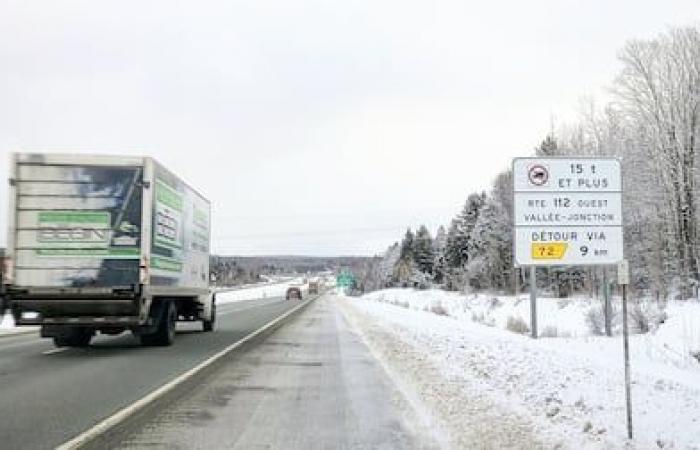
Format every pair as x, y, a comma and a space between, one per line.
538, 175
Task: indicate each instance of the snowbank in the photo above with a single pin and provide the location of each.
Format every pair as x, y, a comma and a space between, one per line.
7, 326
278, 289
571, 388
6, 323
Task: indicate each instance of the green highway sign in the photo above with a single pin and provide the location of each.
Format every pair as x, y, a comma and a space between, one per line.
345, 280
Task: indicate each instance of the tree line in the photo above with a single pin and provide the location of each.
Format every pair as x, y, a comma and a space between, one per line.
652, 123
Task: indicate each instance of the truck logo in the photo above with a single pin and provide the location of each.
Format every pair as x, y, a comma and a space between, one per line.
74, 227
86, 235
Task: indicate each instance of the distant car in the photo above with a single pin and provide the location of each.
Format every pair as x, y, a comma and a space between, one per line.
293, 292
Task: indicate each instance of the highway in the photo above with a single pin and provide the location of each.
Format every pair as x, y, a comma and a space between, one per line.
50, 395
312, 384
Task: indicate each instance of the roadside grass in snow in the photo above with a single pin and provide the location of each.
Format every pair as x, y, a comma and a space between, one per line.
517, 325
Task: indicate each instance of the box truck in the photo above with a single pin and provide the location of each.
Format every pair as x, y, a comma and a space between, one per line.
105, 244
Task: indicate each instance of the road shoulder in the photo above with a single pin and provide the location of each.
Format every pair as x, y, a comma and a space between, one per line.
311, 384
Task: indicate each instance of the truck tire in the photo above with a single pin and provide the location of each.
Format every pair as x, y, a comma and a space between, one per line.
165, 332
77, 337
208, 325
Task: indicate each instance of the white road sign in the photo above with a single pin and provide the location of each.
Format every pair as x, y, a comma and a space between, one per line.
567, 211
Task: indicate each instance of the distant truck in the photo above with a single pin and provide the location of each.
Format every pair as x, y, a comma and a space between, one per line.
105, 244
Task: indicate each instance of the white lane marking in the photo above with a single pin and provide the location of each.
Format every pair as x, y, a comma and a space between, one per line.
54, 351
138, 405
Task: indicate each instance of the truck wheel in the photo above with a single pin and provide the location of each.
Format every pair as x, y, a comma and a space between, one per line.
74, 338
208, 325
165, 334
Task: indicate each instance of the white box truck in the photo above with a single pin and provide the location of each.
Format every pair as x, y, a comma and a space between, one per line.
105, 244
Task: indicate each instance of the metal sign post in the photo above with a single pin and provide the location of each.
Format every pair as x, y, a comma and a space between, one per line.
533, 301
607, 307
623, 280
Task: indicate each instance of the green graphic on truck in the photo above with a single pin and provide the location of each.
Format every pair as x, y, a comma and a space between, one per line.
180, 237
168, 230
78, 234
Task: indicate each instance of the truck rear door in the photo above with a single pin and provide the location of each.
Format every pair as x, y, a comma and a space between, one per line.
76, 225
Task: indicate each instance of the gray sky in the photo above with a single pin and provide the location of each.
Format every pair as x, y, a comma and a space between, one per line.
315, 127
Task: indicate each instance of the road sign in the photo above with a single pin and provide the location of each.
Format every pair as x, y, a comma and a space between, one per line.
345, 280
538, 175
623, 272
567, 211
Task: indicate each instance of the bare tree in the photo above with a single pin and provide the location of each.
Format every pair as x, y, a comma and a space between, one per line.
659, 90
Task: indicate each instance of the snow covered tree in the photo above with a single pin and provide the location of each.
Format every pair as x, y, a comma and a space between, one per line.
439, 244
548, 147
404, 267
490, 262
423, 254
370, 276
388, 263
659, 90
406, 253
458, 248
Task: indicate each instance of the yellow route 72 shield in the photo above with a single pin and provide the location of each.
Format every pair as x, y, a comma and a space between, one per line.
549, 251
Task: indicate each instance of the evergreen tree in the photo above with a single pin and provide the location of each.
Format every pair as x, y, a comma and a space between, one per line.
548, 147
457, 248
406, 254
388, 265
453, 255
439, 244
423, 253
490, 250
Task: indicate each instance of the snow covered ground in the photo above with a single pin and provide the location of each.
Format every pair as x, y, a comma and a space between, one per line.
274, 289
557, 391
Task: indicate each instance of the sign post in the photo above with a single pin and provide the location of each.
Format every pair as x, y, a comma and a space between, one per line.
607, 311
623, 278
533, 301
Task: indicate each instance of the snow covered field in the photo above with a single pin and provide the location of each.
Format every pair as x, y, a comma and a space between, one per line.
565, 391
274, 289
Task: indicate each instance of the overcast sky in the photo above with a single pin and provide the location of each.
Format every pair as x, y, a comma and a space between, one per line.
315, 127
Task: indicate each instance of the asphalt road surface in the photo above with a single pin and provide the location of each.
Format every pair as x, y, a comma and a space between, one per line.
312, 384
49, 395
